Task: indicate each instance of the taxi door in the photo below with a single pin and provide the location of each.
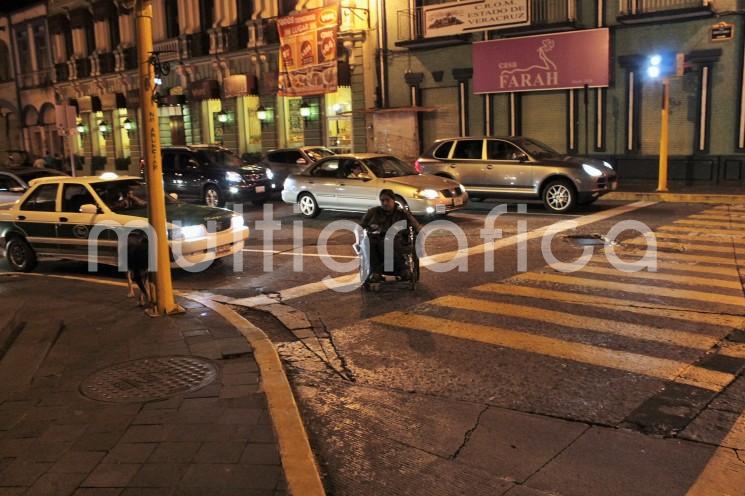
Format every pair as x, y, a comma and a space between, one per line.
74, 227
37, 218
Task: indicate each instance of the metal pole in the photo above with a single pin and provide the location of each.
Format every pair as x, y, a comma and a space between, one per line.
71, 133
151, 153
664, 134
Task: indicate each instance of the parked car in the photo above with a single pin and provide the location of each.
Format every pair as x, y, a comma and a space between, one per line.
214, 175
519, 167
15, 182
56, 216
292, 160
352, 183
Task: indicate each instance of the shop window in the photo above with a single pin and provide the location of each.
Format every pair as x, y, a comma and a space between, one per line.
249, 126
122, 139
98, 141
294, 124
339, 120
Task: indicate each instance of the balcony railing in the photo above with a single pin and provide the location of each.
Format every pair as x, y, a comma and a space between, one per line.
262, 32
36, 79
224, 39
634, 7
543, 12
199, 44
169, 49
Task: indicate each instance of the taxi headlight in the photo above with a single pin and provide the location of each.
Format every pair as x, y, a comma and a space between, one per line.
429, 194
191, 232
237, 222
591, 171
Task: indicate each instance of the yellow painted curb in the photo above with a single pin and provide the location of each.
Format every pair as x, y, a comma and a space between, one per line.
299, 464
676, 197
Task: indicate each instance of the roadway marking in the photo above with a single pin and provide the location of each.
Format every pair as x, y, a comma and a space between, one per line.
684, 294
595, 325
685, 257
706, 269
625, 305
302, 254
712, 223
346, 280
685, 246
661, 368
715, 216
711, 238
656, 276
702, 230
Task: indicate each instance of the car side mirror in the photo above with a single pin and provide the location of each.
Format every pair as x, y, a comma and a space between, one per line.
364, 177
173, 195
88, 208
301, 161
16, 189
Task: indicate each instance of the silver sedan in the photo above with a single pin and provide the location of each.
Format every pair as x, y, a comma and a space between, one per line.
352, 183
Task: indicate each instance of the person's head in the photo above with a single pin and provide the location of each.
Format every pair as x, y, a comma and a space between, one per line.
387, 200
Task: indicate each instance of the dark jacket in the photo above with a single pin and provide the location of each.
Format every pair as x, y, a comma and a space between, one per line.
378, 220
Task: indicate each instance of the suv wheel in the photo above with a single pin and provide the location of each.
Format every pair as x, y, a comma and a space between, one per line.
559, 196
308, 206
20, 255
212, 197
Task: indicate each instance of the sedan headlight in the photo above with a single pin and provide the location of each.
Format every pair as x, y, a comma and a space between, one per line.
237, 222
233, 177
189, 232
591, 171
269, 173
429, 194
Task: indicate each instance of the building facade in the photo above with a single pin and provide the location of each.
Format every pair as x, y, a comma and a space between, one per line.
219, 64
620, 121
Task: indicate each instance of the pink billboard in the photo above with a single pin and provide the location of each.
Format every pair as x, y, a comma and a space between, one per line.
543, 62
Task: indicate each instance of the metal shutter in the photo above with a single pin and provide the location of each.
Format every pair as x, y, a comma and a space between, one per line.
544, 118
683, 114
442, 123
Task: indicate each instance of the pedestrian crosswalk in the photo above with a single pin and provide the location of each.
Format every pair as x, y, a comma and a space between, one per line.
656, 324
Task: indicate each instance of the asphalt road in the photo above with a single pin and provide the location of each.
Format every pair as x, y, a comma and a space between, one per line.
521, 380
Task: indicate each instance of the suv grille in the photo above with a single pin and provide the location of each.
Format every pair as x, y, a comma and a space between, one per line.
252, 178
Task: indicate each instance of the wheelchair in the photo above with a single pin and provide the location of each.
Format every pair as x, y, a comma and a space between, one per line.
409, 273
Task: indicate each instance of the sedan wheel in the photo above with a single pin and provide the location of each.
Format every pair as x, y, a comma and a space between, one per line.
20, 255
211, 197
308, 206
559, 196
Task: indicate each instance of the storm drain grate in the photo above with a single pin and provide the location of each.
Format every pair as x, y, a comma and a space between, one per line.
149, 379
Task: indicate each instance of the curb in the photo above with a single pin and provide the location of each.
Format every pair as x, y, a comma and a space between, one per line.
676, 197
298, 462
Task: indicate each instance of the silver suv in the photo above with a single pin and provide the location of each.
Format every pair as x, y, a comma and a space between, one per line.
519, 167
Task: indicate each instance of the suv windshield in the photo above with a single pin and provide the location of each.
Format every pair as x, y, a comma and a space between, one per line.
318, 153
219, 158
123, 196
536, 149
390, 167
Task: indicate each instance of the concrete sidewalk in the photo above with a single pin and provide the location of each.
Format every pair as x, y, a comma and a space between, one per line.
678, 193
97, 398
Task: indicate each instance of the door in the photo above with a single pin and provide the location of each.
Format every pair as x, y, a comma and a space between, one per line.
38, 218
355, 191
504, 170
74, 227
466, 162
324, 181
178, 133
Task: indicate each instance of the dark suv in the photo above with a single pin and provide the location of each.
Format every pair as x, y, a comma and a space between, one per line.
213, 175
292, 161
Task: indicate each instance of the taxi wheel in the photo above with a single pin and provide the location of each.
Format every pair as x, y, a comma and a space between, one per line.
308, 206
20, 255
212, 197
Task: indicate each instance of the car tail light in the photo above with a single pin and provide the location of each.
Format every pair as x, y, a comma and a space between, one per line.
418, 166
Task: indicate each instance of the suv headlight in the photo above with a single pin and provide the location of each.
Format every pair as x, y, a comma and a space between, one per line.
429, 194
591, 171
608, 165
233, 177
269, 173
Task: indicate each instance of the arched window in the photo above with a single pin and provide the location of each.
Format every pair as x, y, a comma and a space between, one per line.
5, 73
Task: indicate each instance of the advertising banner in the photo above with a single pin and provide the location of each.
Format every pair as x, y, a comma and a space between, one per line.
451, 18
308, 50
544, 62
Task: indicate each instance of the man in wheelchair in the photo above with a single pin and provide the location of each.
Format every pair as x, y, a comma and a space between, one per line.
377, 221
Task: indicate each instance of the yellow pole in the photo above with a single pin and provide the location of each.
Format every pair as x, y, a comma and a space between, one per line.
664, 134
151, 153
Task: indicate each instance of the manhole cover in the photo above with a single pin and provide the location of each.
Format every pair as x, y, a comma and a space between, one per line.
149, 379
588, 239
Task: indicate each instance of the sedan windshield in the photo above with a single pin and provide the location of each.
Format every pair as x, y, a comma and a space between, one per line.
317, 154
536, 148
219, 158
123, 196
390, 167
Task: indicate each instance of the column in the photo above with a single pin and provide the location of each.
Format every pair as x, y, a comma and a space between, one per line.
414, 80
462, 76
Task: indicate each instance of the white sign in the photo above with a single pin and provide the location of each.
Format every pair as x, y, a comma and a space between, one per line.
447, 19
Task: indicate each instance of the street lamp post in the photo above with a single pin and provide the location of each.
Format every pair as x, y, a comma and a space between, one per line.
166, 303
657, 69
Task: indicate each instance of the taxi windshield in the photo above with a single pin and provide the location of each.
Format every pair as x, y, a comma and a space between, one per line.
123, 196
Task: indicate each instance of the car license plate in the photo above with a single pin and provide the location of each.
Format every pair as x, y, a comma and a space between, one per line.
440, 208
458, 201
260, 189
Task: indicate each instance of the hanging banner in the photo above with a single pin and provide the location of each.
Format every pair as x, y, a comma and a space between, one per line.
451, 18
573, 59
308, 49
